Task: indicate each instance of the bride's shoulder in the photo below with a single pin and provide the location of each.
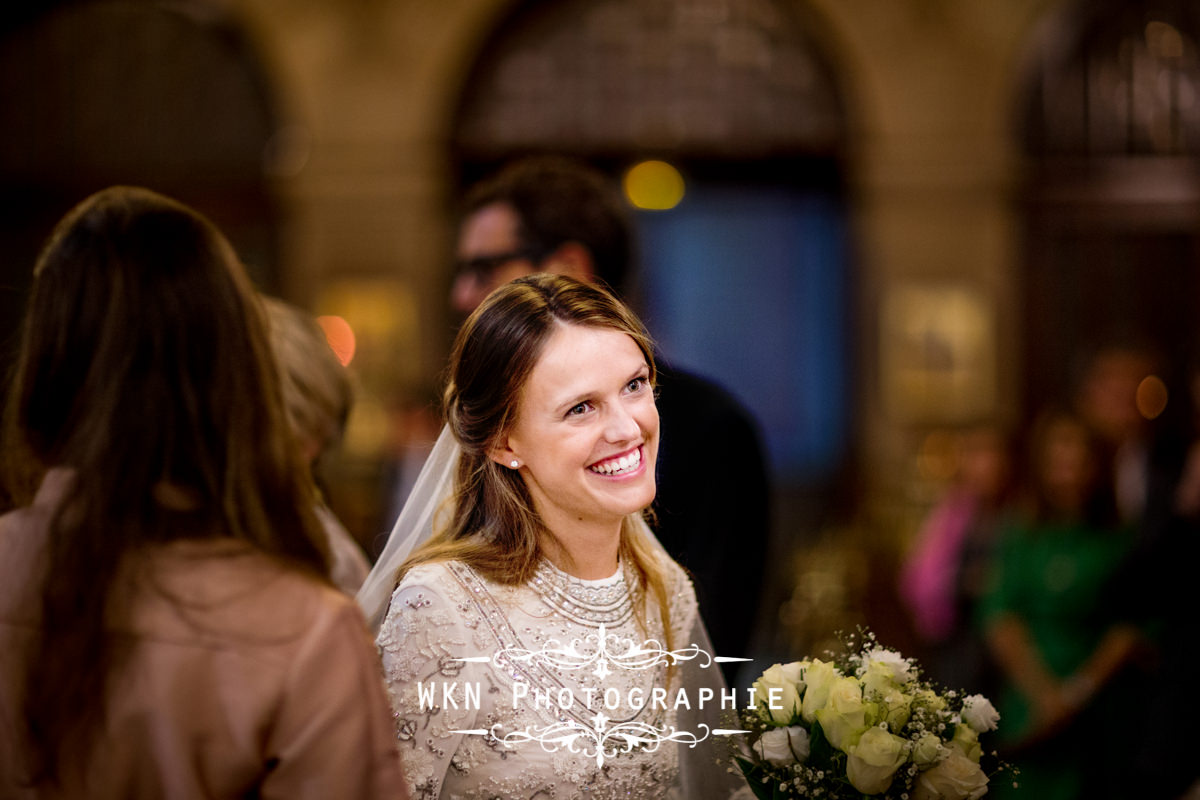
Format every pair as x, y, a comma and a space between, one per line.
449, 578
434, 574
427, 592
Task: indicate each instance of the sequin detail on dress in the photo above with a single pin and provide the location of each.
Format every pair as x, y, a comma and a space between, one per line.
588, 603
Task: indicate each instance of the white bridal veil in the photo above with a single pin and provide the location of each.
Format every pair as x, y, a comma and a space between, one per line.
430, 495
704, 768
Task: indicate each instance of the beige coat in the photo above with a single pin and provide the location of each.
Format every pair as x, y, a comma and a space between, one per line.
246, 678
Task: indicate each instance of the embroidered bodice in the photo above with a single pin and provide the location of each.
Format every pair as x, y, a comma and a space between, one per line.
543, 670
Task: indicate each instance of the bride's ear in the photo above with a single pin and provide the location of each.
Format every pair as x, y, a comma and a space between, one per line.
503, 455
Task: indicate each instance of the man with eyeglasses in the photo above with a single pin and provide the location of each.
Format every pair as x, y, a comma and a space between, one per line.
542, 214
552, 214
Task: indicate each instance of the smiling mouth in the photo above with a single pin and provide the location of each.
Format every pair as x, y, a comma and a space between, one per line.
621, 465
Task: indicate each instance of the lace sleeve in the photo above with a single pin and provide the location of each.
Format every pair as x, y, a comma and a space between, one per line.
421, 640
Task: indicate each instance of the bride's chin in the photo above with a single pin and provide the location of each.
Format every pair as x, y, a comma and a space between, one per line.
640, 501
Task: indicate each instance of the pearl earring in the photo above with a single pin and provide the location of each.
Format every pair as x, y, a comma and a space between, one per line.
514, 463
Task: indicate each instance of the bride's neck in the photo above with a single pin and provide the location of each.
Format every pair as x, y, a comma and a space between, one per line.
590, 555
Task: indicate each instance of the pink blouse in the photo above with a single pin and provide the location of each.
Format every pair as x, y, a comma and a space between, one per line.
246, 678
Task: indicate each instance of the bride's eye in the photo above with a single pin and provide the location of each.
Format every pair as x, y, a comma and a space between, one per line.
575, 411
637, 384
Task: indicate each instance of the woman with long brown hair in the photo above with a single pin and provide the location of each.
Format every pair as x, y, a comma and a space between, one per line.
526, 642
166, 626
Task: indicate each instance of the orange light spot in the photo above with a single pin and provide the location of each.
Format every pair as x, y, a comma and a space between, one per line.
1151, 396
340, 336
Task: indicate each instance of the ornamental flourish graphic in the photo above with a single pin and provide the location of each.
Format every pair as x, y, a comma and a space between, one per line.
607, 654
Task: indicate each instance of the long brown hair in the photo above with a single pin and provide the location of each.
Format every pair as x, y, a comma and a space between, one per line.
493, 525
145, 370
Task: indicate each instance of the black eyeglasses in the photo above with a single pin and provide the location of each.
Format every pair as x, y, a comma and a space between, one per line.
483, 266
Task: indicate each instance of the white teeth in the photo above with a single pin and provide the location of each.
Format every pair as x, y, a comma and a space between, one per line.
623, 464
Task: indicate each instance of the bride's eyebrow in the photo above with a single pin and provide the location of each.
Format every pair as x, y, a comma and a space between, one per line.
584, 396
574, 400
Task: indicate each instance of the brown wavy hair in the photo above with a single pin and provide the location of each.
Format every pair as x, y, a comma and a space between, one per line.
145, 370
493, 525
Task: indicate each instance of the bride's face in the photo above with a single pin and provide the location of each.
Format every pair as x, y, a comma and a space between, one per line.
586, 429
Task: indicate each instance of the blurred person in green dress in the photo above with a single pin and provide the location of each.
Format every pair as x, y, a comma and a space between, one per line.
1054, 631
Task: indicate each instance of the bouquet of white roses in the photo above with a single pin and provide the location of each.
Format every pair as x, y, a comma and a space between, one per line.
863, 724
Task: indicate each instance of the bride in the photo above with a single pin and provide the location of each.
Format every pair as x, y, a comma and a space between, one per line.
539, 642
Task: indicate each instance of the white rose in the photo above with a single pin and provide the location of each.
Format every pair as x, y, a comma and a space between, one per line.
966, 741
783, 746
874, 760
878, 679
777, 695
980, 714
794, 672
928, 749
844, 717
819, 678
894, 706
955, 778
898, 667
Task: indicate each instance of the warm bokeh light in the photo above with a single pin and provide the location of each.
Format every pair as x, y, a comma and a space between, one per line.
1164, 40
1151, 396
937, 458
340, 336
654, 186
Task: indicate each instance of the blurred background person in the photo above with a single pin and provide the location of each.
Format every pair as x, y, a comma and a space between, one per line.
317, 397
1150, 580
1106, 396
945, 574
557, 215
167, 626
1058, 636
1146, 430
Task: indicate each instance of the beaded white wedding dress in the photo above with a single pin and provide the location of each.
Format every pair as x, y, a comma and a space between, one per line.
551, 689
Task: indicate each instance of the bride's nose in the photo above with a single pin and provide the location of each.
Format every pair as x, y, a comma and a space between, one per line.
620, 424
